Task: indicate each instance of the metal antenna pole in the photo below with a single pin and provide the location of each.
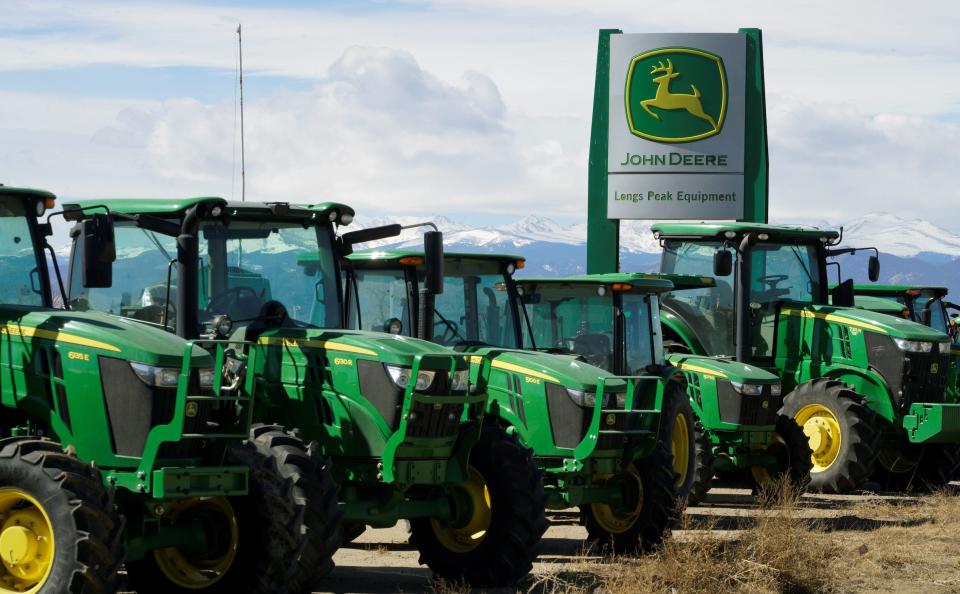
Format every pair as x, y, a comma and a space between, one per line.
243, 171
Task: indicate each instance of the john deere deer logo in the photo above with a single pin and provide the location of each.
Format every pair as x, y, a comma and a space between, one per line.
657, 111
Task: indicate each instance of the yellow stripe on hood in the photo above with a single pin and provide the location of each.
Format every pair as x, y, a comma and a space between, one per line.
56, 336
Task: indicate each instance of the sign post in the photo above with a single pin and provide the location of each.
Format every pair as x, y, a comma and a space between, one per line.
679, 132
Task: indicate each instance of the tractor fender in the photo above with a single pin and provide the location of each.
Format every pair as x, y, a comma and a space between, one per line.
868, 384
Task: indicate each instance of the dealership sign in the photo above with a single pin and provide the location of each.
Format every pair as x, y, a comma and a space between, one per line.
678, 132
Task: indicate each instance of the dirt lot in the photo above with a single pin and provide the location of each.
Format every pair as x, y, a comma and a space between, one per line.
732, 543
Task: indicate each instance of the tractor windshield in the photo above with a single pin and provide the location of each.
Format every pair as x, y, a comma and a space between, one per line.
475, 305
779, 272
574, 320
379, 299
247, 263
938, 313
140, 278
22, 284
709, 311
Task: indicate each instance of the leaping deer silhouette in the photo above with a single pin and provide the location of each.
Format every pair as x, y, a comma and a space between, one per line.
670, 101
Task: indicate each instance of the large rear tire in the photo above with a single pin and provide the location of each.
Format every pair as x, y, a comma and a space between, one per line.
917, 467
842, 433
643, 522
278, 539
59, 530
791, 447
690, 446
497, 545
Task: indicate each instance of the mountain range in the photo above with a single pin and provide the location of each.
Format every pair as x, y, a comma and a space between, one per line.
913, 251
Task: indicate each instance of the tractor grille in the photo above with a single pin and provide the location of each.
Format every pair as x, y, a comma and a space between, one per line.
433, 420
133, 408
912, 377
568, 422
739, 409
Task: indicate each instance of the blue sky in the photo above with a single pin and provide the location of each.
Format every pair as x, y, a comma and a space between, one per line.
476, 110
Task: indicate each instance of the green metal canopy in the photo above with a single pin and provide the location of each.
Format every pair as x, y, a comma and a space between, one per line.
718, 228
638, 282
177, 206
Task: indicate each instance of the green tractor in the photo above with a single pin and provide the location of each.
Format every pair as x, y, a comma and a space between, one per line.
867, 388
728, 425
120, 442
922, 304
594, 434
399, 418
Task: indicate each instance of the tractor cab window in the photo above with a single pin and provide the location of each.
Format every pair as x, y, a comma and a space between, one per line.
246, 264
641, 323
574, 320
140, 278
779, 272
475, 305
381, 299
708, 312
22, 284
938, 314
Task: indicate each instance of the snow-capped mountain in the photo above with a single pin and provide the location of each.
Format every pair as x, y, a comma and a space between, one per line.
913, 250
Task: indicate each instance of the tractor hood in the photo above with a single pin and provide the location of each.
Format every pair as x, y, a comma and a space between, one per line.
101, 334
387, 348
865, 320
727, 369
565, 370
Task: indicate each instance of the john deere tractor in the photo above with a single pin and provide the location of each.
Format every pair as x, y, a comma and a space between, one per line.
399, 417
922, 304
122, 442
728, 423
867, 388
594, 434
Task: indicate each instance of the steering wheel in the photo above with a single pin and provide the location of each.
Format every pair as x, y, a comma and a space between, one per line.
232, 298
451, 331
772, 280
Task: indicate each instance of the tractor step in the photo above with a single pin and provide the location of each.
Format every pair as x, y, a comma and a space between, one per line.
933, 423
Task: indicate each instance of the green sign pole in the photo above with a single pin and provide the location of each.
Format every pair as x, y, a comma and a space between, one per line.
756, 167
603, 245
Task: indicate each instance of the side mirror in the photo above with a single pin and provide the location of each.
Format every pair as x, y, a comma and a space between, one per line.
433, 262
873, 269
99, 251
722, 263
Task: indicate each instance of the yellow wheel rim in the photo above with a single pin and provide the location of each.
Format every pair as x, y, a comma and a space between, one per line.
467, 538
192, 571
26, 543
823, 430
680, 446
618, 521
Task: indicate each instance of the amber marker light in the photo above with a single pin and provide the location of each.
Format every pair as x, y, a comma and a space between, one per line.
411, 261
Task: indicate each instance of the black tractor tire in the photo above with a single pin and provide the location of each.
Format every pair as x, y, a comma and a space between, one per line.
918, 467
651, 526
87, 529
517, 518
695, 474
859, 434
289, 525
792, 449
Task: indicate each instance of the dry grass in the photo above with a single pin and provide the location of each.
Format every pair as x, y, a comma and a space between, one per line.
908, 545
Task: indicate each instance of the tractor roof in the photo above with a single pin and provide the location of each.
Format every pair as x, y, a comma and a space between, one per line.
718, 228
394, 255
887, 290
638, 282
177, 206
10, 191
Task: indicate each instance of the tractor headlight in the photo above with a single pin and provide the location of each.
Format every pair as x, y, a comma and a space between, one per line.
748, 389
206, 378
586, 399
944, 348
776, 389
460, 380
400, 376
915, 346
160, 377
621, 400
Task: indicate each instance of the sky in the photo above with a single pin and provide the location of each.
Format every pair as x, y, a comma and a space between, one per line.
479, 111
